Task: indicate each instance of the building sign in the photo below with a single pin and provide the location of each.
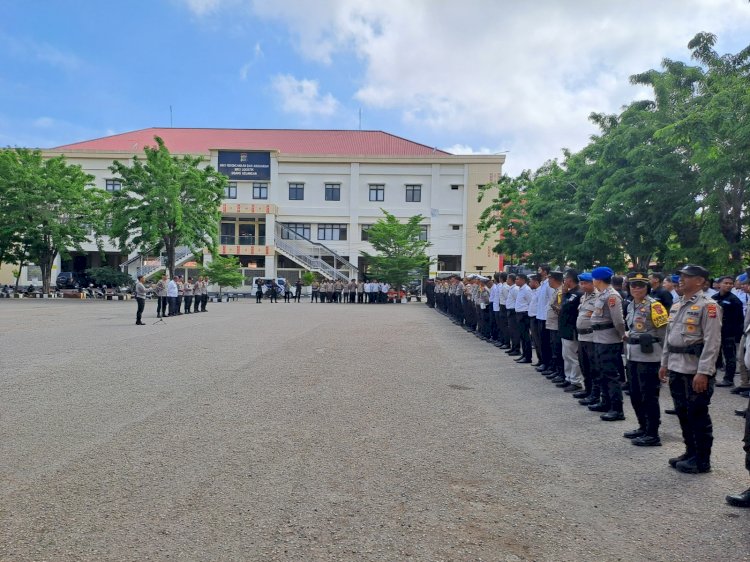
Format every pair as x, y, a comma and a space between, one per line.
245, 165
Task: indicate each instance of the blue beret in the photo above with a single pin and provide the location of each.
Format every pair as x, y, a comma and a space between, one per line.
602, 273
585, 276
675, 278
742, 278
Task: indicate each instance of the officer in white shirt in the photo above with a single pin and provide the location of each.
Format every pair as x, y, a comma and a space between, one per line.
523, 300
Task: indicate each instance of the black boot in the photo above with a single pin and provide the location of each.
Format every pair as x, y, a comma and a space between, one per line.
634, 433
693, 466
683, 457
740, 500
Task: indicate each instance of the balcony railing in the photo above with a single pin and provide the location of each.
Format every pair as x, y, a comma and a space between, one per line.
243, 240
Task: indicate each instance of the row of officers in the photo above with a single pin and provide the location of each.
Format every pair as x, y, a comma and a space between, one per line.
351, 292
581, 326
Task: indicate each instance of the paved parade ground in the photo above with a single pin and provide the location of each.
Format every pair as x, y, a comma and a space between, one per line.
327, 432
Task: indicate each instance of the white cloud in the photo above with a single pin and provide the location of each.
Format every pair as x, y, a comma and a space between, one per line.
302, 96
518, 75
245, 69
202, 7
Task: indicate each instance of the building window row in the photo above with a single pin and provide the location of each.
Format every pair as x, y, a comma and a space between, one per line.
332, 231
376, 192
260, 190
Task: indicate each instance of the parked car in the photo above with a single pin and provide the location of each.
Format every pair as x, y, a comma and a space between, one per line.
72, 280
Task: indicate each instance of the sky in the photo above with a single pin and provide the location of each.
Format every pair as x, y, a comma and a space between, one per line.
475, 76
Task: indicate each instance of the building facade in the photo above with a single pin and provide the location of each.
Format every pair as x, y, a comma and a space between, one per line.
300, 199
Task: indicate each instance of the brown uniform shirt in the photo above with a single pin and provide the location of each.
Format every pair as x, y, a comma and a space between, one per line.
608, 310
693, 321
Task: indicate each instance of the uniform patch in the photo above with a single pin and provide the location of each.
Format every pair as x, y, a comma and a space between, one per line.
711, 309
612, 301
692, 328
639, 326
695, 307
659, 314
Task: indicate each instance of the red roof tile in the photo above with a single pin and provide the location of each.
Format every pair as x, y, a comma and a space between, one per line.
286, 141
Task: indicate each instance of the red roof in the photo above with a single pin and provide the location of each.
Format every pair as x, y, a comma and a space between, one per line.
286, 141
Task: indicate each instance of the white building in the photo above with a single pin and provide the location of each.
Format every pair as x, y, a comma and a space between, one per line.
296, 194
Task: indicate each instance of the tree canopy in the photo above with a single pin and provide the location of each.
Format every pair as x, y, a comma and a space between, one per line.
46, 209
165, 202
401, 253
224, 271
662, 182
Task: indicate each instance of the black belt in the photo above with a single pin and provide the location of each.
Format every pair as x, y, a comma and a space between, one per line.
597, 327
637, 340
584, 331
695, 349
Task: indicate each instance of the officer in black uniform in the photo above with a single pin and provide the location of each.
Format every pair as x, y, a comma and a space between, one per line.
732, 321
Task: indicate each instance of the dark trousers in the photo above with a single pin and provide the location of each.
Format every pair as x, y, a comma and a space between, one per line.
258, 297
546, 347
644, 395
524, 331
188, 303
204, 302
352, 297
179, 304
161, 306
692, 411
502, 323
747, 440
487, 321
513, 334
172, 305
555, 344
729, 353
197, 302
588, 368
141, 306
298, 296
536, 337
360, 297
287, 296
607, 357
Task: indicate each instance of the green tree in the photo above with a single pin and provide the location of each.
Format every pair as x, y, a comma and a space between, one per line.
166, 202
51, 209
401, 254
109, 276
224, 271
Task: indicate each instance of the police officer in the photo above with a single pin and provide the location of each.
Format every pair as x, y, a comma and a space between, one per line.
743, 499
609, 328
510, 307
554, 371
140, 298
732, 321
161, 296
585, 334
571, 299
693, 341
646, 325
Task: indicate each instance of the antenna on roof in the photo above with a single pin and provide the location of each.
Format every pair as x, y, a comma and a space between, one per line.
170, 117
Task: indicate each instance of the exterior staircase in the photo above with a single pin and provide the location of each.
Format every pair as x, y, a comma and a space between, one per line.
149, 266
310, 255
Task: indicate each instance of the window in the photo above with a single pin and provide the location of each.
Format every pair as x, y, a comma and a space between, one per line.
260, 191
423, 232
113, 185
332, 232
456, 187
333, 192
377, 192
365, 228
230, 191
456, 226
413, 193
296, 192
301, 229
228, 230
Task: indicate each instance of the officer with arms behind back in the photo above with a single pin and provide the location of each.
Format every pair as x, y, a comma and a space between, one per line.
693, 341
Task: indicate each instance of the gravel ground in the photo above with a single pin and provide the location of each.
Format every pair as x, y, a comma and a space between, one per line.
326, 432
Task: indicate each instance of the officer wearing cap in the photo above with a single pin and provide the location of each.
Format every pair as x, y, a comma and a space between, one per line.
693, 341
609, 328
646, 326
585, 334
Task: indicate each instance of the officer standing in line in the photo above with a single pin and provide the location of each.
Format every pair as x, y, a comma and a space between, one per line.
571, 299
554, 371
732, 321
510, 307
502, 298
646, 323
189, 288
523, 301
591, 393
609, 328
743, 499
536, 338
693, 342
543, 298
161, 296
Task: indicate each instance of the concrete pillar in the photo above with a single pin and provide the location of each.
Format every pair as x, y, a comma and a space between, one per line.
271, 242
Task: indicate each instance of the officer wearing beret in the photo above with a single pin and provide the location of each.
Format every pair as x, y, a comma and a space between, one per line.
585, 334
646, 326
693, 341
609, 328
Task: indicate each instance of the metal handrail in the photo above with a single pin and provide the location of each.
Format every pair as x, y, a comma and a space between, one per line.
282, 229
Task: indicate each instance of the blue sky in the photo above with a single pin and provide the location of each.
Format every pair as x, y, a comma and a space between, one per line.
477, 76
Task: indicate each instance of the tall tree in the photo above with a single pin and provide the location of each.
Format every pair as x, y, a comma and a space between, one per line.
51, 206
401, 253
166, 202
224, 271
